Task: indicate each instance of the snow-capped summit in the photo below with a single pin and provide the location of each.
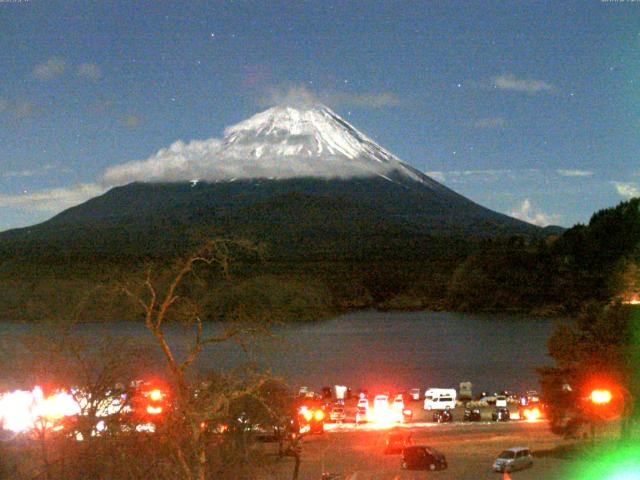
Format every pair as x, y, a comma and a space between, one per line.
319, 142
323, 143
281, 142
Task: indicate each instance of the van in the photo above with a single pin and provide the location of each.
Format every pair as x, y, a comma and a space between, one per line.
440, 398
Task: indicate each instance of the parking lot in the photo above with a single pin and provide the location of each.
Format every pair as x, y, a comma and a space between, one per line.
470, 448
419, 415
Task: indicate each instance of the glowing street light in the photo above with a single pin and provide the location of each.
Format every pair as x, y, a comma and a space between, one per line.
600, 397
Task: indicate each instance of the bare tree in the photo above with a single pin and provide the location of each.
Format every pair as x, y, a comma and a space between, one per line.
201, 408
89, 368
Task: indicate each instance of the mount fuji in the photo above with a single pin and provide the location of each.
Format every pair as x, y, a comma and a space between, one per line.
302, 179
279, 143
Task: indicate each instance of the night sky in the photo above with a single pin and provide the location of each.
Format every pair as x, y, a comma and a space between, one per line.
531, 109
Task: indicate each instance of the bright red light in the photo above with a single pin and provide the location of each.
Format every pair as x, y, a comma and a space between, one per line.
600, 397
306, 413
155, 395
532, 413
21, 411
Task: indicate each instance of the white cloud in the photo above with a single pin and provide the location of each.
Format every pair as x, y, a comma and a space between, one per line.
18, 173
179, 162
490, 122
509, 81
52, 200
574, 173
33, 172
293, 96
627, 189
90, 71
300, 96
437, 175
52, 68
525, 211
489, 174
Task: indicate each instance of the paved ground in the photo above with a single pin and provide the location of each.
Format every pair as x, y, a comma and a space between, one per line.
470, 449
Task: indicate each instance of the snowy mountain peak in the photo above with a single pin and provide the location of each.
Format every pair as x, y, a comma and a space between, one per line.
314, 134
308, 132
281, 142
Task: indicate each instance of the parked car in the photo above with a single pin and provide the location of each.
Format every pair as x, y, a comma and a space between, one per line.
532, 411
513, 459
472, 415
420, 457
442, 416
398, 403
363, 402
490, 399
501, 401
532, 396
397, 439
501, 414
361, 414
337, 414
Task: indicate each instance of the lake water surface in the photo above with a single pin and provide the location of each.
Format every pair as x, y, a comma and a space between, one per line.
377, 350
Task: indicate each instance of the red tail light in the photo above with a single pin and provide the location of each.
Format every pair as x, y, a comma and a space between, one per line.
155, 395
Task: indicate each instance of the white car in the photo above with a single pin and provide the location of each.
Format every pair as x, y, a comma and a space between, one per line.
398, 403
513, 459
337, 414
364, 403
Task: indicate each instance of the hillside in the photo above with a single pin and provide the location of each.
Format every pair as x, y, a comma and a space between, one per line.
340, 217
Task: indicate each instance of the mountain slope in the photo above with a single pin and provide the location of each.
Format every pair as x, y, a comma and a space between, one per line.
285, 176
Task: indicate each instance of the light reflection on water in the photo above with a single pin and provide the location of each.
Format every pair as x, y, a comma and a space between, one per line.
376, 350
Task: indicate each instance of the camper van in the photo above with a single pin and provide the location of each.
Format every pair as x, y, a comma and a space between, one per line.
439, 398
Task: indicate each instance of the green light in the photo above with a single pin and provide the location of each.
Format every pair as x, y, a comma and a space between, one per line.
619, 462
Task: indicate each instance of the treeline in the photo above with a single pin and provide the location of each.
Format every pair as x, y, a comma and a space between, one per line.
597, 262
302, 279
281, 283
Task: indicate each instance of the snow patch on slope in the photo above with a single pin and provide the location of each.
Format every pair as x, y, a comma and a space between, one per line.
282, 142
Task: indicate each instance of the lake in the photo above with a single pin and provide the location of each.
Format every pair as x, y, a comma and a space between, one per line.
376, 350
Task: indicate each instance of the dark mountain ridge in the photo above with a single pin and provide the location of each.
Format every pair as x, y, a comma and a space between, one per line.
144, 219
